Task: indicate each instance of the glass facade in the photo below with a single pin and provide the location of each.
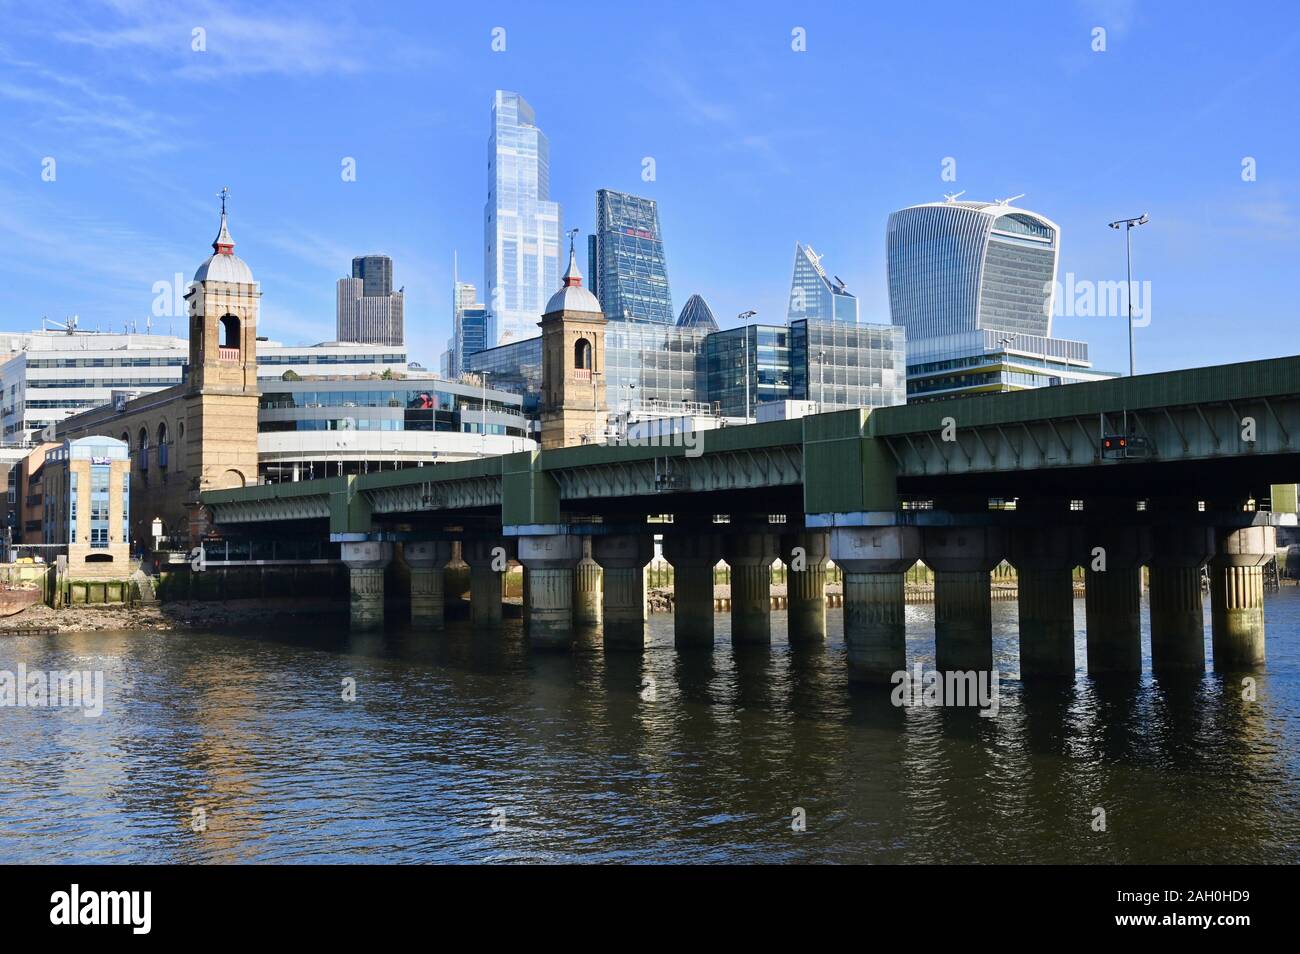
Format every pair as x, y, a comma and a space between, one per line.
748, 366
515, 367
629, 269
652, 363
840, 365
521, 226
966, 266
987, 361
813, 295
435, 405
837, 363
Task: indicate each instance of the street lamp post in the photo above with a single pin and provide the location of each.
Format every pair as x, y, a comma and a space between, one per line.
1129, 225
745, 316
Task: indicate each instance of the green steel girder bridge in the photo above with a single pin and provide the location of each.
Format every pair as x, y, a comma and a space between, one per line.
1175, 471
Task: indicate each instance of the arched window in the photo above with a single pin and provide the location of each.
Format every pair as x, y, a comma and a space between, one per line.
582, 355
142, 449
162, 444
229, 336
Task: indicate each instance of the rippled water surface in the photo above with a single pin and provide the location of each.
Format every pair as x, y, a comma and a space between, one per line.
664, 756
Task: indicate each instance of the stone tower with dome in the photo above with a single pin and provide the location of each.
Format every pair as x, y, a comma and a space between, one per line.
202, 433
573, 364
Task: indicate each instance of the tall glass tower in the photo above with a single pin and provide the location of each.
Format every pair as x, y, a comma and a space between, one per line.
627, 259
521, 226
967, 266
813, 295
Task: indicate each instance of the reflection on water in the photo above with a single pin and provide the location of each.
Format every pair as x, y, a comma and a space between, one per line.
664, 756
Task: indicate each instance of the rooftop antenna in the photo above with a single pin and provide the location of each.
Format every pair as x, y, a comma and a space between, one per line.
953, 196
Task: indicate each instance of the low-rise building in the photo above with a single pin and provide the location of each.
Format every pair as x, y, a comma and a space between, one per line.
87, 506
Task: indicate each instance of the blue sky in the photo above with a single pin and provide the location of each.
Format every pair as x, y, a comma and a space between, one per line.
755, 146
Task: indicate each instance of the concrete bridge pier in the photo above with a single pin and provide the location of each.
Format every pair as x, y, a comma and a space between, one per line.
750, 554
366, 560
806, 587
426, 560
1177, 604
1044, 558
962, 558
874, 560
1237, 596
1113, 596
488, 559
622, 558
693, 556
587, 588
548, 601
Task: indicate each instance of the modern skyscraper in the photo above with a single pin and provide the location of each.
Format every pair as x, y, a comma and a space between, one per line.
972, 282
696, 313
631, 275
470, 326
813, 295
521, 226
367, 309
968, 266
376, 273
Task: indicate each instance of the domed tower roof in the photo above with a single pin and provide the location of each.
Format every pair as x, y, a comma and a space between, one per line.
573, 297
224, 265
697, 314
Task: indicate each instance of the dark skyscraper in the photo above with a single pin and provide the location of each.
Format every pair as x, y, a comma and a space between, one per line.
631, 276
376, 274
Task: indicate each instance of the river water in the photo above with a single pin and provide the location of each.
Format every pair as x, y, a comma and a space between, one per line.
464, 746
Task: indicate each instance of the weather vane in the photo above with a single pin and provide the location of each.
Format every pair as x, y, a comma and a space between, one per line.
223, 195
573, 234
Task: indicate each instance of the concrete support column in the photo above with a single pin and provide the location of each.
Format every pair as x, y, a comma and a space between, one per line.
961, 558
587, 588
750, 554
874, 560
488, 559
1237, 596
623, 557
1113, 596
693, 557
1044, 558
549, 562
426, 560
806, 587
1046, 622
1177, 605
366, 561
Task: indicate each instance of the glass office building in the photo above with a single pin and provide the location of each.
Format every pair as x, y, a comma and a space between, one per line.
841, 365
814, 295
836, 363
981, 362
514, 367
626, 259
969, 266
653, 363
521, 226
748, 366
696, 313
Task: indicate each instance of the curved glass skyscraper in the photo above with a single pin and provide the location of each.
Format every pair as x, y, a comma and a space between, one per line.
970, 266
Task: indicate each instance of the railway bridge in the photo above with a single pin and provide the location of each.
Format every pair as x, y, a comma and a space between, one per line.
1174, 472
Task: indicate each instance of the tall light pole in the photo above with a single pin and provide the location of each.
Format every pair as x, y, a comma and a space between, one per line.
1129, 225
745, 316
